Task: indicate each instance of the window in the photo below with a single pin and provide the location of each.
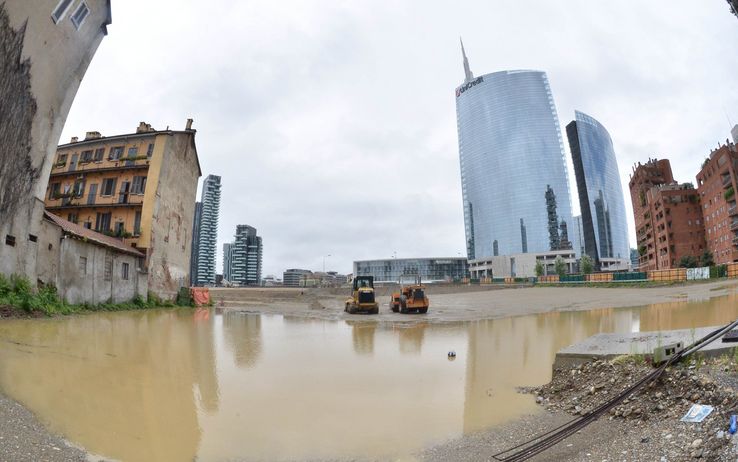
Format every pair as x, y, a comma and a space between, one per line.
137, 223
120, 228
102, 222
133, 152
86, 156
139, 185
150, 150
116, 152
87, 224
108, 274
10, 240
124, 271
108, 187
83, 265
33, 238
60, 10
62, 160
54, 191
79, 188
73, 217
80, 14
99, 153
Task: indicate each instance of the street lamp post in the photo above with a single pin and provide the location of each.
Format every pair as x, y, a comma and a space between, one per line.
324, 257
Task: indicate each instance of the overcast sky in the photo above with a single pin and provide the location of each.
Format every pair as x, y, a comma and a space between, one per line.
332, 123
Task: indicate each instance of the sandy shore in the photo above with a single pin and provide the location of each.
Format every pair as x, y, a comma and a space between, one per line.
464, 303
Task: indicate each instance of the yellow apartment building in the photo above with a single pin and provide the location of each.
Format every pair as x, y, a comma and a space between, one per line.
139, 187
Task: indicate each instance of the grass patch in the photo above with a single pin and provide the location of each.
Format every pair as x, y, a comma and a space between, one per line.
17, 298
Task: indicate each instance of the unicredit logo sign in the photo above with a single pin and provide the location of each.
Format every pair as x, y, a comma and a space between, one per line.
467, 86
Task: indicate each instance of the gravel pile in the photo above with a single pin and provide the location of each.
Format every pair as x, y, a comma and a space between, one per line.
653, 413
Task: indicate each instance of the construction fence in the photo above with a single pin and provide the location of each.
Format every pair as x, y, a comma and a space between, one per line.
729, 270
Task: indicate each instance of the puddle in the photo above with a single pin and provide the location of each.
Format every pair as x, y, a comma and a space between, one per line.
175, 385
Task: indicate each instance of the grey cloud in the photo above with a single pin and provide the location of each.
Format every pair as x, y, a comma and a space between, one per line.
333, 123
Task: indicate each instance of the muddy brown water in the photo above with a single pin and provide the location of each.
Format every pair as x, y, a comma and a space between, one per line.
178, 385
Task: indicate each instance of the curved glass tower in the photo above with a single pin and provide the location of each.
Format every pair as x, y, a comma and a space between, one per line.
513, 172
601, 197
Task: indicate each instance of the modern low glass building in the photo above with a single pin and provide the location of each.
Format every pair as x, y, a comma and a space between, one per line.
601, 197
429, 269
514, 181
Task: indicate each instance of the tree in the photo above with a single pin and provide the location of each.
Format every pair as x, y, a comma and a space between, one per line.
586, 265
706, 259
688, 261
560, 266
539, 268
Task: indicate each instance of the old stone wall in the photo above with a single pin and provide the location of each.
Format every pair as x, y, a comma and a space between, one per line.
78, 269
174, 209
41, 66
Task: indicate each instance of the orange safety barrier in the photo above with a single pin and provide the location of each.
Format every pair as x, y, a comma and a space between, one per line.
599, 277
675, 274
485, 281
549, 278
509, 280
200, 295
732, 270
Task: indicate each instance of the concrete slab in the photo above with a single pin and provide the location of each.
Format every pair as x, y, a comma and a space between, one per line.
608, 346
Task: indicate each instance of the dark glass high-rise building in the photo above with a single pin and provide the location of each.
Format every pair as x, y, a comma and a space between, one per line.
245, 257
601, 197
514, 180
205, 234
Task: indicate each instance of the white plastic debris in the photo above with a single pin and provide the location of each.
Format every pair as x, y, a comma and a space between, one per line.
697, 413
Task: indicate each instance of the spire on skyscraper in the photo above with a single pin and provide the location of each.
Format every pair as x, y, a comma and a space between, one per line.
468, 76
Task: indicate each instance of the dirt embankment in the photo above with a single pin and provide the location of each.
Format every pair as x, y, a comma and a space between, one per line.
466, 303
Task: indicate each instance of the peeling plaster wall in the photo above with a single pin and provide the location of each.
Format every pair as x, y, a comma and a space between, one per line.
170, 246
41, 67
59, 263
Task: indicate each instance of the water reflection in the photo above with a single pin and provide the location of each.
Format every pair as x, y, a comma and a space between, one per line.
242, 333
118, 384
362, 336
411, 338
182, 385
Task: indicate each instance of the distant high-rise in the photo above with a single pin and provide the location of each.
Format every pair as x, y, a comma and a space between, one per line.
207, 234
246, 253
601, 197
513, 173
195, 243
227, 261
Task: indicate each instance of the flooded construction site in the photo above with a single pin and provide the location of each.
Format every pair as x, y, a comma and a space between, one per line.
215, 385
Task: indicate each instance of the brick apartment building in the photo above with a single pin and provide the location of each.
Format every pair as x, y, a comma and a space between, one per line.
668, 216
716, 185
138, 187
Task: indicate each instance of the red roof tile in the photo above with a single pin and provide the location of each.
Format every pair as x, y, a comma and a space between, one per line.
90, 235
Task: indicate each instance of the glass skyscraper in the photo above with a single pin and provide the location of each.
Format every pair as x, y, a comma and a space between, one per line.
513, 171
600, 191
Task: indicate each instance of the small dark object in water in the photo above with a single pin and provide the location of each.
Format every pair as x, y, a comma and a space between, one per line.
731, 336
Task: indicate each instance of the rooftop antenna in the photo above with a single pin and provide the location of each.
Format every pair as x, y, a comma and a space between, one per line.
468, 76
730, 122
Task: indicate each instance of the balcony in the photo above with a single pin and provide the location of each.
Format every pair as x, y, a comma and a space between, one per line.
733, 211
726, 180
98, 168
734, 226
